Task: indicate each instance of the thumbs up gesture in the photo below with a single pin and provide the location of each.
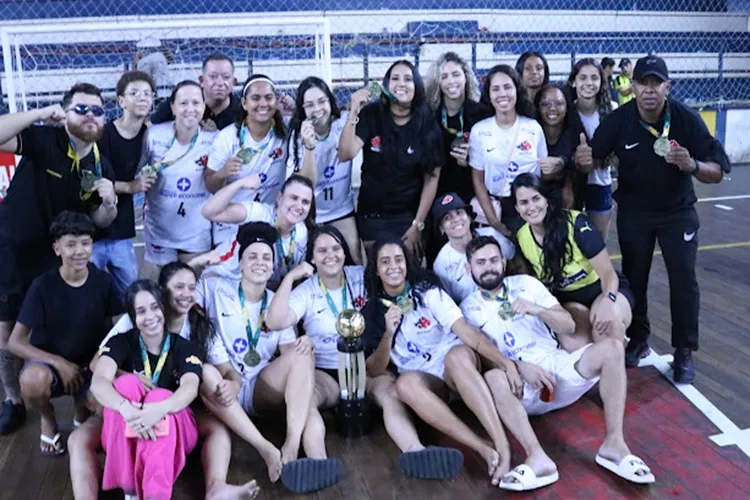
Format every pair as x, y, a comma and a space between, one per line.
583, 156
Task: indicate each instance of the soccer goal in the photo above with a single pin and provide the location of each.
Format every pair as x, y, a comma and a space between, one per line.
42, 61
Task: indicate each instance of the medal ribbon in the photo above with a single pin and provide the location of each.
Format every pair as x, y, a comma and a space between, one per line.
665, 131
244, 132
253, 336
331, 304
444, 120
503, 298
288, 259
73, 155
161, 165
404, 295
159, 364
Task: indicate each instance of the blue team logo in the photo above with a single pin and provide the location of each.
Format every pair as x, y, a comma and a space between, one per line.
509, 339
513, 166
239, 346
183, 184
329, 172
412, 347
263, 178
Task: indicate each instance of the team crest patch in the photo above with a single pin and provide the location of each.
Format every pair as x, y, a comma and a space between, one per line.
359, 302
202, 161
375, 144
193, 360
446, 199
423, 323
524, 146
276, 154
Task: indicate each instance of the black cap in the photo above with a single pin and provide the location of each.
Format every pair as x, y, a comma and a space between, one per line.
650, 66
624, 62
256, 232
447, 202
607, 62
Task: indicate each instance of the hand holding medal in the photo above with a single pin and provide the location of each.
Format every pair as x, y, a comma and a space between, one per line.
680, 156
88, 181
307, 133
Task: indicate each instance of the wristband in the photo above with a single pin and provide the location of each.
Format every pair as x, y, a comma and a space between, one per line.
696, 166
309, 149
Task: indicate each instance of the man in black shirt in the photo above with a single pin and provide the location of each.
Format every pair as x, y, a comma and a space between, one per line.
662, 145
62, 169
121, 143
217, 81
64, 318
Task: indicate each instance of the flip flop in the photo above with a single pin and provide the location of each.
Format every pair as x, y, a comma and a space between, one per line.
628, 468
76, 423
434, 462
306, 474
52, 441
526, 479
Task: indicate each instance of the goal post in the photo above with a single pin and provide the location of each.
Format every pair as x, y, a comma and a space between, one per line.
42, 61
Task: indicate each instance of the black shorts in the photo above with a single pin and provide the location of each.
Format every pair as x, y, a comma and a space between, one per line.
588, 294
374, 226
19, 266
330, 371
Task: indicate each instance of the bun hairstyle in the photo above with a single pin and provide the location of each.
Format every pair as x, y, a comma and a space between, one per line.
256, 232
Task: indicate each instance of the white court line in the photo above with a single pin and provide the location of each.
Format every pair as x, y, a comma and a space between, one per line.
730, 433
724, 207
724, 198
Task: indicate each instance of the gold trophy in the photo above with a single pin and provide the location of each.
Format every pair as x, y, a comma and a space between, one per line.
352, 415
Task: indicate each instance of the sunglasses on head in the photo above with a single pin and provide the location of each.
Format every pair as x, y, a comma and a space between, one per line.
83, 109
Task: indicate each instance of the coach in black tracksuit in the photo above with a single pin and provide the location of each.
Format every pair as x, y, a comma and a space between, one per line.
662, 145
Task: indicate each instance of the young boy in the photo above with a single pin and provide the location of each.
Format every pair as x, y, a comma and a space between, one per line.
64, 317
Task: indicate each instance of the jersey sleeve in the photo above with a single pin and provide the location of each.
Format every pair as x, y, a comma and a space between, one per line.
476, 150
587, 237
123, 325
443, 307
540, 294
34, 140
118, 349
221, 149
186, 357
287, 336
256, 211
300, 300
217, 351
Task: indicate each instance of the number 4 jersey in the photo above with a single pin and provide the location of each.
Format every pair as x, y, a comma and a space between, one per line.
172, 217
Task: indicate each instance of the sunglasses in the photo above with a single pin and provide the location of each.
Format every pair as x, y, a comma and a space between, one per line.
83, 110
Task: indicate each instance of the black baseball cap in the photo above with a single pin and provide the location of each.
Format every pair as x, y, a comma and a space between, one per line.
447, 202
624, 62
650, 66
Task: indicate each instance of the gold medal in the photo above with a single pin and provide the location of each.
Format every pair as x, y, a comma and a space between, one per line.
252, 358
246, 155
375, 89
148, 170
88, 179
406, 304
505, 312
457, 143
662, 146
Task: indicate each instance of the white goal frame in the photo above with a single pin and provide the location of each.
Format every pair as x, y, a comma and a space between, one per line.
13, 37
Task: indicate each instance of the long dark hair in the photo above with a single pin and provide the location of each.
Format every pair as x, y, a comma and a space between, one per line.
557, 250
202, 329
295, 125
142, 286
333, 233
523, 104
310, 219
569, 107
603, 100
532, 53
278, 127
424, 120
421, 280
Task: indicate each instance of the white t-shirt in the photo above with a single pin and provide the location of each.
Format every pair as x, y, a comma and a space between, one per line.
333, 192
261, 212
124, 325
172, 215
597, 176
310, 305
221, 302
504, 154
523, 337
425, 336
450, 265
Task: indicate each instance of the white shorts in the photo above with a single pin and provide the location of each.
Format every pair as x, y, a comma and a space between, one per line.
247, 391
436, 365
570, 385
221, 232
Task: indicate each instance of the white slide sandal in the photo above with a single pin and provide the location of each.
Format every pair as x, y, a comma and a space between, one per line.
526, 479
628, 469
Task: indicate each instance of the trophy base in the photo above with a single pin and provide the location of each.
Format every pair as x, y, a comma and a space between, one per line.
353, 417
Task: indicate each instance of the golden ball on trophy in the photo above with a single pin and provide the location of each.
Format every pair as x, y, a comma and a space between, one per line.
350, 324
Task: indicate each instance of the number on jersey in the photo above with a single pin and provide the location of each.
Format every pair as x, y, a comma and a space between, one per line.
181, 209
328, 193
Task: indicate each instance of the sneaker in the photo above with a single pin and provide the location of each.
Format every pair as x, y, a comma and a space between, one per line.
12, 417
684, 368
635, 352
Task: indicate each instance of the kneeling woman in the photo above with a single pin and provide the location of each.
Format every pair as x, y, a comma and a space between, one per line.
333, 285
147, 435
413, 324
252, 374
569, 256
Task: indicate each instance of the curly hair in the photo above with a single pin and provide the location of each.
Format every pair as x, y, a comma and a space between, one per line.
433, 93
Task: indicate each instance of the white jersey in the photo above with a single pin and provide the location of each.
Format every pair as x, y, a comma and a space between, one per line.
450, 265
221, 301
504, 154
124, 325
524, 337
597, 176
310, 305
333, 191
425, 335
260, 212
172, 216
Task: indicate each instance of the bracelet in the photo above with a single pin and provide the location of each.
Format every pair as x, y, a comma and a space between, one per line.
309, 149
353, 120
697, 166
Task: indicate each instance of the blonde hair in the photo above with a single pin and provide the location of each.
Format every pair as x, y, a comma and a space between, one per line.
435, 95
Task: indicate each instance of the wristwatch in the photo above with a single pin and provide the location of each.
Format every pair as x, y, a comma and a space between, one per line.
420, 225
612, 296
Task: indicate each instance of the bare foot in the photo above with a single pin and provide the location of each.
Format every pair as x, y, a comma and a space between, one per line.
492, 458
223, 491
289, 451
273, 458
502, 468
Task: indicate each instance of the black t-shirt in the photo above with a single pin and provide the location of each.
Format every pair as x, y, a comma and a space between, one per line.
390, 188
70, 321
125, 350
44, 185
124, 155
454, 178
163, 113
646, 182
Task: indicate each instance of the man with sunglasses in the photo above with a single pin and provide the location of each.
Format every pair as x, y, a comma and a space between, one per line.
62, 169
